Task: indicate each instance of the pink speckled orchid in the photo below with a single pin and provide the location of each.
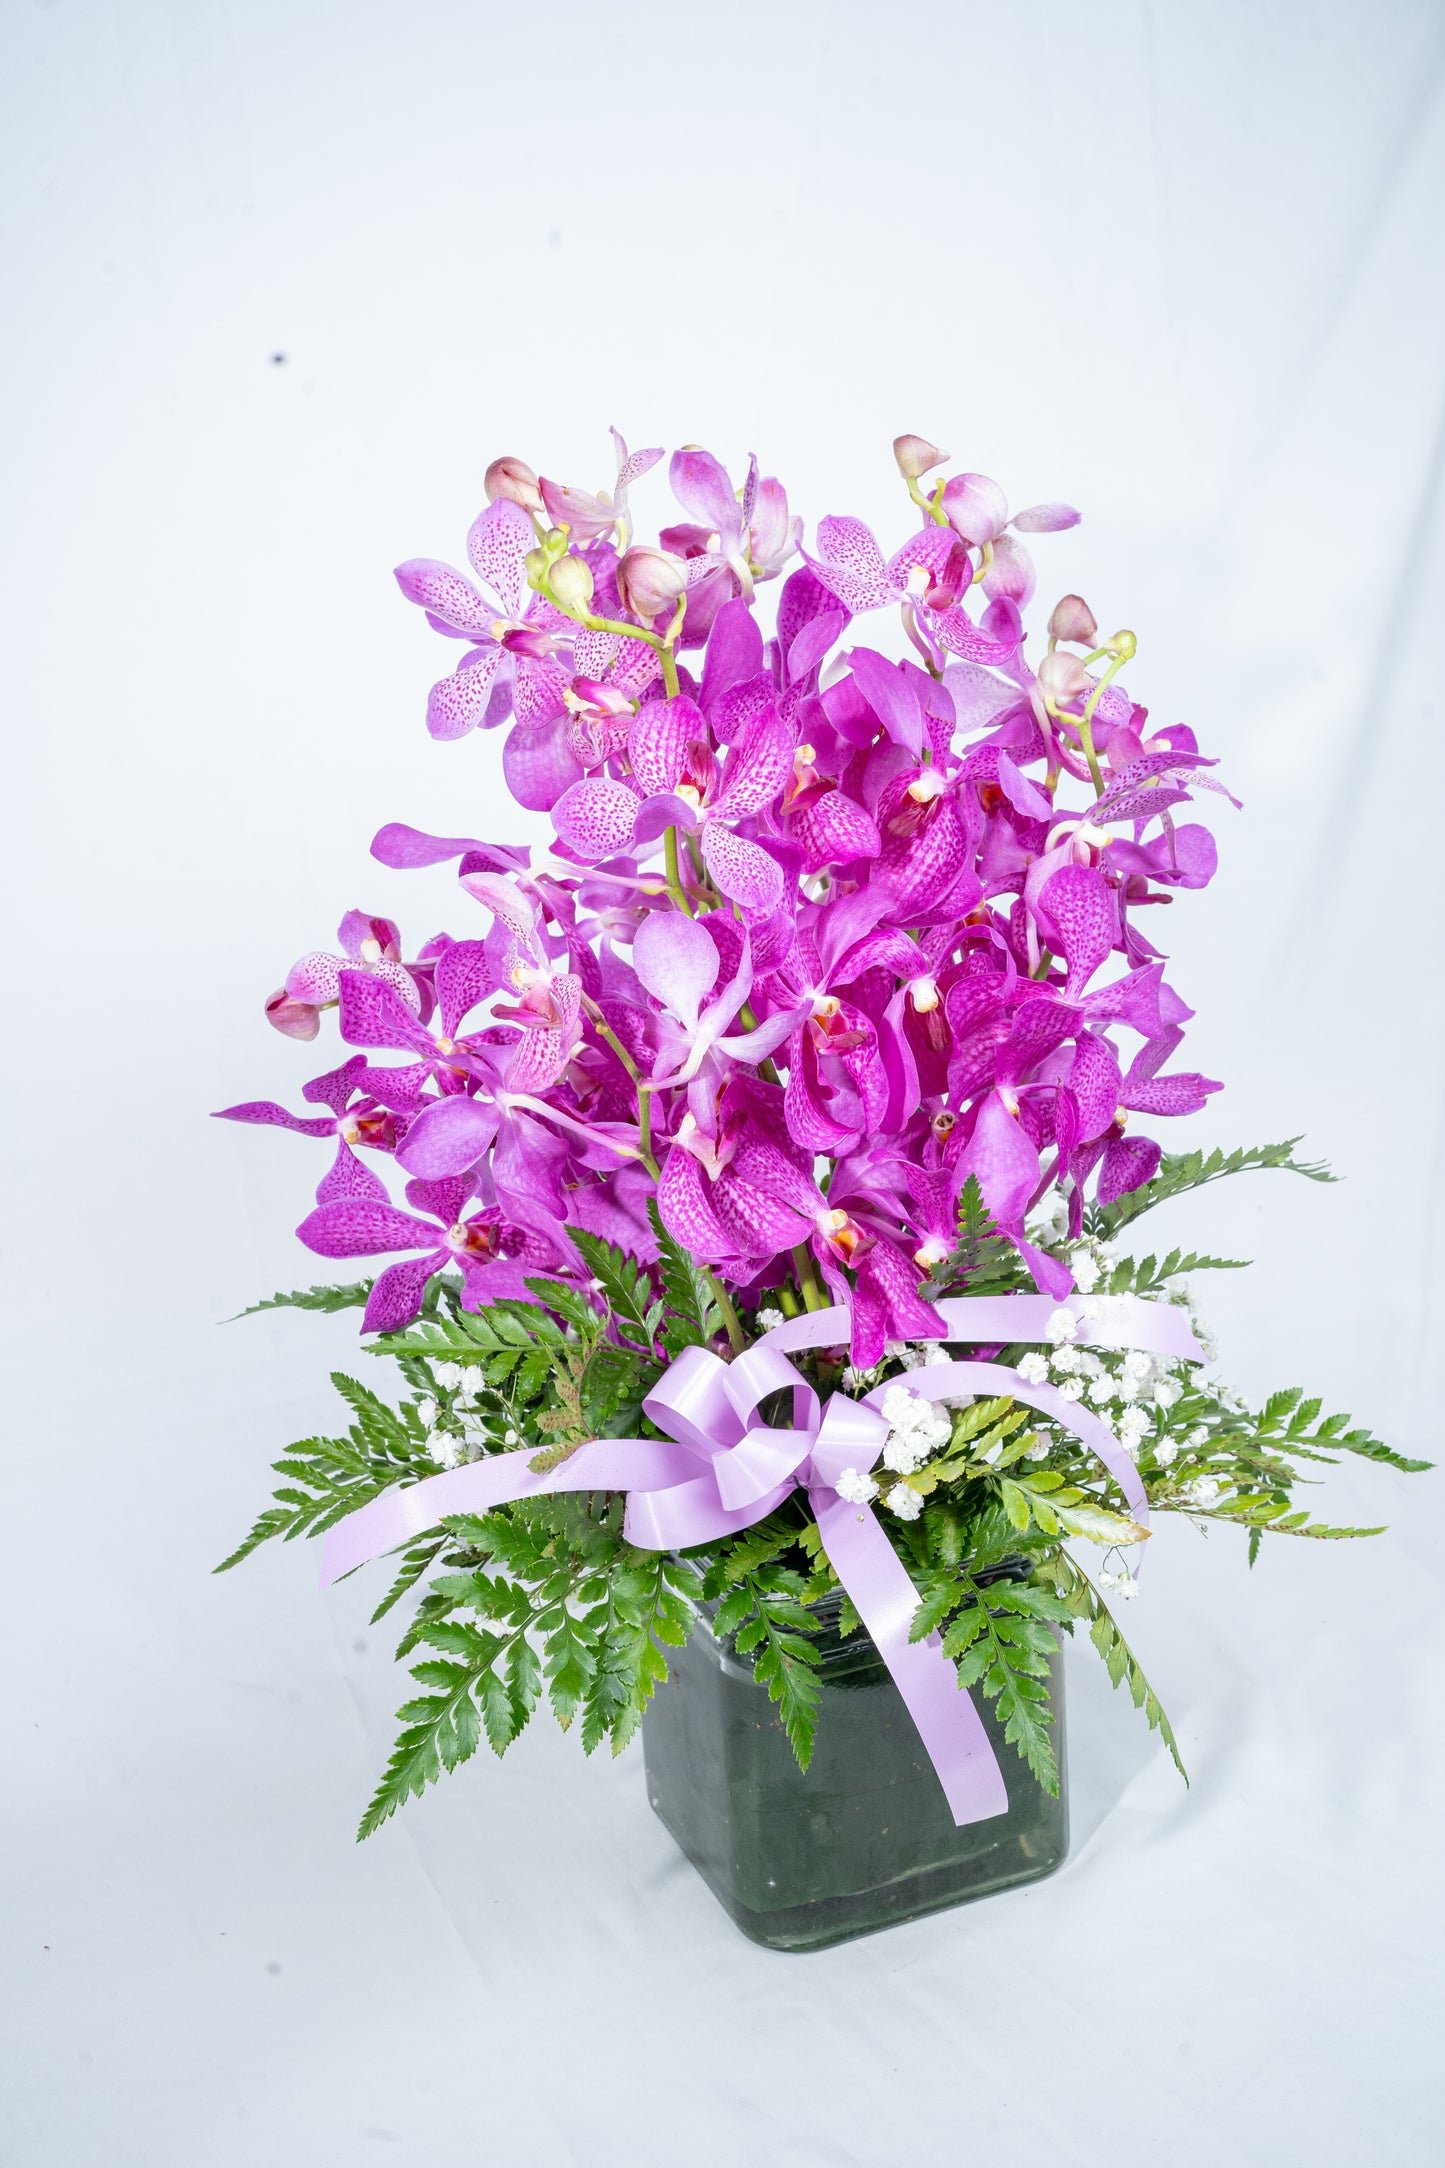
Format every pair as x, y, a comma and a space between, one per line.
822, 931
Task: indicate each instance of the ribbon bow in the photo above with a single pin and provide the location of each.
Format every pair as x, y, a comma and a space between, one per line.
720, 1468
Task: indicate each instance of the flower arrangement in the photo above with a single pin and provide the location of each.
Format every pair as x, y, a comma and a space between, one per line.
821, 1032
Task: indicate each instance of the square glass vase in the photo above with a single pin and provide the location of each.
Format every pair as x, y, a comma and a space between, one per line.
862, 1840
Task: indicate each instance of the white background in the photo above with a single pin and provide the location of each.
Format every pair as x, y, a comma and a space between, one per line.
1180, 266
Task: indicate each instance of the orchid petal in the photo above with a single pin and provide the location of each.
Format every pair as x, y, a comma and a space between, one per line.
464, 977
833, 829
975, 507
1006, 1163
677, 961
448, 1138
891, 697
734, 652
1045, 519
539, 765
397, 1296
444, 593
657, 743
497, 545
596, 819
469, 699
1079, 906
701, 487
742, 871
347, 1176
850, 564
362, 1226
266, 1112
371, 1014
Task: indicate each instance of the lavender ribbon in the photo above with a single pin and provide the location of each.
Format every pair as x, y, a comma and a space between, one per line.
720, 1469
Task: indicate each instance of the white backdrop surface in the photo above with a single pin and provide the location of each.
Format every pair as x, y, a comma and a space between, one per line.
1179, 266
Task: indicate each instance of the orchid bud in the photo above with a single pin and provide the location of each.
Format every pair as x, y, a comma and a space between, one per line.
915, 455
650, 581
975, 507
297, 1019
1073, 620
1124, 645
514, 480
1063, 678
570, 584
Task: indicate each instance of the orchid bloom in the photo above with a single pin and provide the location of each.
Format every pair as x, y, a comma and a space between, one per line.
352, 1122
823, 934
679, 782
313, 983
586, 516
493, 1258
513, 665
925, 577
977, 510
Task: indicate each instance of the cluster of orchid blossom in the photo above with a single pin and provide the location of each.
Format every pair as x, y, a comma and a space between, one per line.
822, 932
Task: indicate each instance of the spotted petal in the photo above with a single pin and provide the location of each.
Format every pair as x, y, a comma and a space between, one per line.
662, 731
741, 870
850, 565
1077, 902
362, 1226
445, 594
477, 696
596, 818
497, 546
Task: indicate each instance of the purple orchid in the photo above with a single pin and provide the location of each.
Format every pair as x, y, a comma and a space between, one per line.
824, 933
494, 1259
679, 782
588, 517
513, 666
925, 578
313, 983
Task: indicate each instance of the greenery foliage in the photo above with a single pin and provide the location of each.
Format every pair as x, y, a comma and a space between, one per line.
546, 1600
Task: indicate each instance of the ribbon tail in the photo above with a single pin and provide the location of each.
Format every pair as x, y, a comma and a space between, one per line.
603, 1464
885, 1599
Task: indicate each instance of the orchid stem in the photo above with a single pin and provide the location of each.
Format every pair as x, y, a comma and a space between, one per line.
724, 1301
666, 647
644, 1103
813, 1296
675, 888
1086, 720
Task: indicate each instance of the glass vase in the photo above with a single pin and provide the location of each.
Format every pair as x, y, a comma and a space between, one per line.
864, 1838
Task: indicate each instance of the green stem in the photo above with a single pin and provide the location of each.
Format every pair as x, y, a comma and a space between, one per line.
644, 1102
675, 888
1086, 720
667, 645
617, 625
724, 1301
813, 1295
